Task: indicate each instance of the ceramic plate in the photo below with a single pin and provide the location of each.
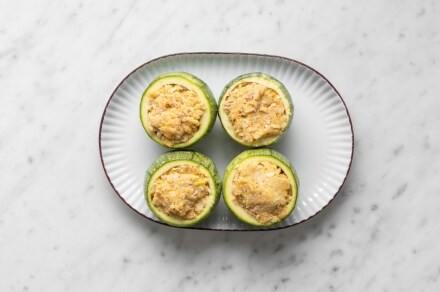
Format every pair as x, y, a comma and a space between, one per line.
319, 142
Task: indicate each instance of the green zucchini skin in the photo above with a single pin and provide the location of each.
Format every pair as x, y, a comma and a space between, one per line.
260, 153
208, 95
267, 78
182, 156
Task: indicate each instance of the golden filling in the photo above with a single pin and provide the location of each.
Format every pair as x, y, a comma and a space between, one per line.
263, 190
256, 112
181, 192
174, 113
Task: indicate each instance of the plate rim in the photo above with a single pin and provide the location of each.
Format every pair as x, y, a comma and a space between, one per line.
237, 54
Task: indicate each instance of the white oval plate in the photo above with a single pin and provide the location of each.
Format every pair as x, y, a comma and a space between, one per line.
319, 142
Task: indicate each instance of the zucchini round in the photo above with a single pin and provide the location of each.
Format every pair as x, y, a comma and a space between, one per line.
255, 109
182, 187
260, 187
177, 110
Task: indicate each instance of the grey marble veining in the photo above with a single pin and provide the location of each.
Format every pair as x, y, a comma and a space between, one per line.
62, 228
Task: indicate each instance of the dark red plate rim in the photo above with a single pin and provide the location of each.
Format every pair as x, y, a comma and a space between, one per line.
227, 53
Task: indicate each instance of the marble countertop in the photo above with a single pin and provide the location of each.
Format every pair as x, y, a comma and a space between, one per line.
62, 228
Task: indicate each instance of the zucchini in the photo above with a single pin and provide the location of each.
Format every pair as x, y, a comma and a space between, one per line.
177, 110
260, 187
255, 109
182, 187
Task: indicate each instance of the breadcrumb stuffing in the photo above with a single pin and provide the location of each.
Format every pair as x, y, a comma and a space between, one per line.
263, 190
175, 113
181, 192
256, 112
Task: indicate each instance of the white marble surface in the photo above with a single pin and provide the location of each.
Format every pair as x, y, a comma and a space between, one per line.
62, 228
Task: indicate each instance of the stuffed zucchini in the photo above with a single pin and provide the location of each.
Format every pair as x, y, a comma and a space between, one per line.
260, 187
177, 110
255, 109
182, 187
